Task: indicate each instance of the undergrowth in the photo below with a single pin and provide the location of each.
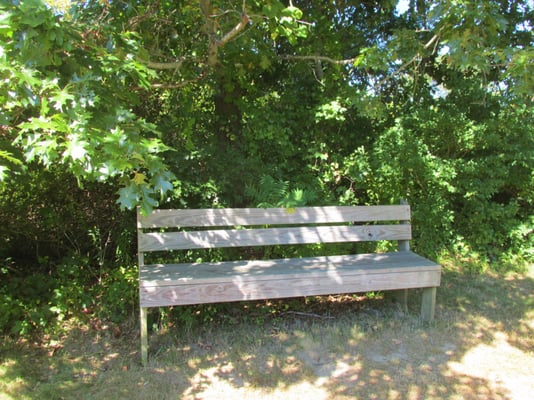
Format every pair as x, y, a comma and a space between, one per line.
42, 302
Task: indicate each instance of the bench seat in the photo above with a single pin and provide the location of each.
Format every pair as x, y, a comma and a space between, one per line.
199, 283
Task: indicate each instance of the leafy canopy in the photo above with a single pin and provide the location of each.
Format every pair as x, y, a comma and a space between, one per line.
352, 101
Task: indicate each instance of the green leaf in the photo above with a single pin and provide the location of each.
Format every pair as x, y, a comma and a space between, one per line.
33, 19
76, 148
6, 28
61, 98
128, 196
6, 155
44, 106
292, 12
161, 183
139, 178
265, 62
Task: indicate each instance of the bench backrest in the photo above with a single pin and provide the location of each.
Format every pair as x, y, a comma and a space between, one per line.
240, 227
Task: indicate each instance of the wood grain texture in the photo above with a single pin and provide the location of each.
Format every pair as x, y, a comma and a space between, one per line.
428, 303
143, 315
162, 274
256, 290
271, 216
158, 241
179, 284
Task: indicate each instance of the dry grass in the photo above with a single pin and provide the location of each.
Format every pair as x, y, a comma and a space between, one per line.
480, 347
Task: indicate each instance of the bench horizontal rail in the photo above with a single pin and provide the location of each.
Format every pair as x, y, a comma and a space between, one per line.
161, 241
180, 284
271, 216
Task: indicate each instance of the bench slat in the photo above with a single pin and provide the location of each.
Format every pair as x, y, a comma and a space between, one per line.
180, 284
227, 271
160, 241
271, 216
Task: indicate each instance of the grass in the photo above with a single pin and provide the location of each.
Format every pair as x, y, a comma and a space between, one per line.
481, 345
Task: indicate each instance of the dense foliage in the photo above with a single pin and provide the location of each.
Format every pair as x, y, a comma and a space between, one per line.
109, 105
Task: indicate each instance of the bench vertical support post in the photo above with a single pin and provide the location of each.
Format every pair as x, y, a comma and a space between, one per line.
144, 335
428, 304
143, 311
401, 296
404, 245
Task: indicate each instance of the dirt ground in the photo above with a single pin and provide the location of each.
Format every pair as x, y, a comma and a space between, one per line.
481, 346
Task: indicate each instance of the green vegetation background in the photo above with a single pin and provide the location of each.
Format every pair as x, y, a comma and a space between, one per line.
110, 105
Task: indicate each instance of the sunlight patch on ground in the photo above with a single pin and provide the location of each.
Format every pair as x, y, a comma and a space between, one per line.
337, 371
216, 383
503, 365
8, 384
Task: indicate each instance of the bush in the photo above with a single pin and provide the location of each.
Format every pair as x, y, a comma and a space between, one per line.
41, 302
63, 253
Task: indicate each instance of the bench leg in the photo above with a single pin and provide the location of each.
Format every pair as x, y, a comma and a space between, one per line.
428, 303
400, 297
144, 335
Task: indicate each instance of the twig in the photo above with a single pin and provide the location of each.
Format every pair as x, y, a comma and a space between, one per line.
177, 85
305, 314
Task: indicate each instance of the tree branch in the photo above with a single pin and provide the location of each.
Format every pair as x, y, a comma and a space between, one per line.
177, 85
163, 65
152, 10
211, 25
319, 58
236, 29
433, 41
349, 61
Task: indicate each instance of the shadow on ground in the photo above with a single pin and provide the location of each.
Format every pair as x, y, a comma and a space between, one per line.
480, 346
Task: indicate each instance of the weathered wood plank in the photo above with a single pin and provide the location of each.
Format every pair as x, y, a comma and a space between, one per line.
297, 286
144, 334
335, 267
428, 303
271, 216
159, 241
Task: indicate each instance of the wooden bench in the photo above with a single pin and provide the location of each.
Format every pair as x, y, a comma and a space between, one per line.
207, 282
